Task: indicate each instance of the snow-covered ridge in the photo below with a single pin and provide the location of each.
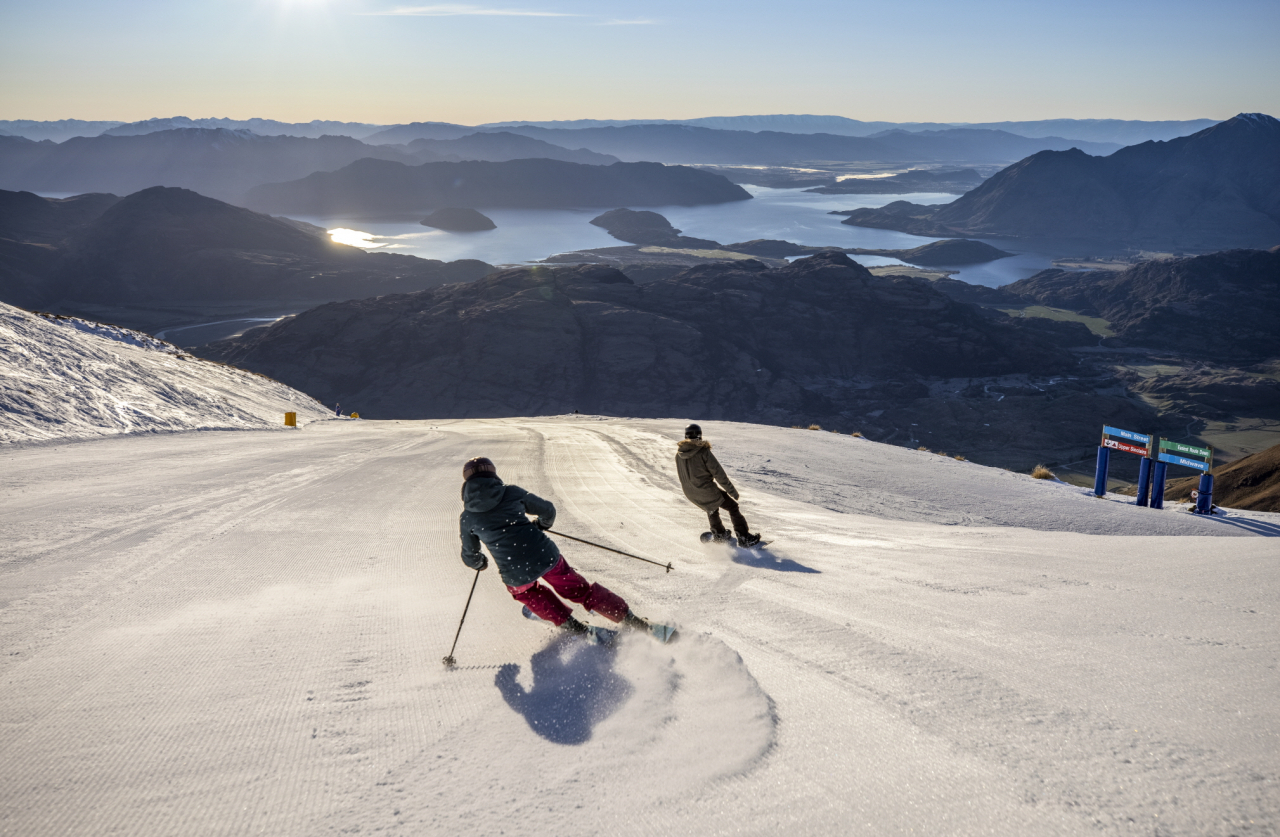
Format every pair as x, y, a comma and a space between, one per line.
113, 332
69, 378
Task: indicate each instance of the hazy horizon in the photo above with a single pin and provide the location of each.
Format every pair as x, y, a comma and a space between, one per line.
388, 62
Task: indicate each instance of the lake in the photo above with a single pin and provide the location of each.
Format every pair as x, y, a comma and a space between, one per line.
526, 235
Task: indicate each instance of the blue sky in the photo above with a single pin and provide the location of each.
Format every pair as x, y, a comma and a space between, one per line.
386, 61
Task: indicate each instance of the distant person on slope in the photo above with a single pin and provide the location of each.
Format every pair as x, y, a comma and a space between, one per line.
699, 472
494, 514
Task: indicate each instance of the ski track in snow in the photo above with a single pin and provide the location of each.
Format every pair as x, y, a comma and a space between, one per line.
242, 633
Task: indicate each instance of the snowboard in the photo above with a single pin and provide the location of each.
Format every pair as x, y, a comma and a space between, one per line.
710, 537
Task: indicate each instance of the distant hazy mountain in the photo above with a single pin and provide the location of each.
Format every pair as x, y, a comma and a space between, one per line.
1225, 304
212, 161
1121, 131
261, 127
419, 130
729, 341
173, 245
499, 146
1216, 189
57, 130
685, 144
379, 187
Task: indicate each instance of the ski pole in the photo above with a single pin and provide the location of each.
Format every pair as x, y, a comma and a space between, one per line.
666, 566
449, 661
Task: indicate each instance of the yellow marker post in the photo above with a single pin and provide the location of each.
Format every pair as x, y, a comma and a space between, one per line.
290, 419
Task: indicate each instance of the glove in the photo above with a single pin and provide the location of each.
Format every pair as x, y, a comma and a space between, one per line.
541, 524
484, 564
734, 494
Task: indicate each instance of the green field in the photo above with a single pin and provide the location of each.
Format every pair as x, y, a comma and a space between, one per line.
1097, 325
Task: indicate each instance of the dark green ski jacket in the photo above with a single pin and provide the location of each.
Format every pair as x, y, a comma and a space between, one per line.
493, 514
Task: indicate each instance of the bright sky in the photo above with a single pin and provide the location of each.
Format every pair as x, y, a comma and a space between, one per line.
389, 61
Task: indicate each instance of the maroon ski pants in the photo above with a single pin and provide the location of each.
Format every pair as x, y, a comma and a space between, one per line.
566, 582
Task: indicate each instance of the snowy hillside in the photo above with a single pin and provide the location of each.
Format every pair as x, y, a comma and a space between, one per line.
209, 634
65, 378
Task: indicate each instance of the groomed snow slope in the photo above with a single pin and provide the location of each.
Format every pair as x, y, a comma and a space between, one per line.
233, 633
69, 378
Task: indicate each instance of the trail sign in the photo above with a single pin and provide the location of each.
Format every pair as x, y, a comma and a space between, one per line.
1174, 459
1188, 456
1124, 446
1140, 438
1190, 450
1135, 443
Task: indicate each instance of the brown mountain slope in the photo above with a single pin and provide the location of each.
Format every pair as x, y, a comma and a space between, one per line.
1252, 482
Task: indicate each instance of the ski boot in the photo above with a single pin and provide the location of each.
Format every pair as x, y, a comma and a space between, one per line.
662, 633
591, 633
748, 540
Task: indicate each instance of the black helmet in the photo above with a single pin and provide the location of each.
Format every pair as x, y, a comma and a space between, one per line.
693, 431
478, 467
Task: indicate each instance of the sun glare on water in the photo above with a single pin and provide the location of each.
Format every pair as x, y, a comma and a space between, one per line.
355, 238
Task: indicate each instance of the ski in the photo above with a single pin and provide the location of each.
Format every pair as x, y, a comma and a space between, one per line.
594, 635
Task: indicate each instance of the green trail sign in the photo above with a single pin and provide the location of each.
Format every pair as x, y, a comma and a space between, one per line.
1176, 453
1188, 450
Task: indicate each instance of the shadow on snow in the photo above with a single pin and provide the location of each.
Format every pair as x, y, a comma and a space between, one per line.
765, 560
574, 688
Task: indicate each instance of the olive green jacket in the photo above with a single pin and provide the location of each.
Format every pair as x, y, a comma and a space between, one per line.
699, 472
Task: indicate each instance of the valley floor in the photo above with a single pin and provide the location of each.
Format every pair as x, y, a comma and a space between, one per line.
241, 632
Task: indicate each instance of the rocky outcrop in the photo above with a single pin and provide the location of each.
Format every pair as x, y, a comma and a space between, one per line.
951, 252
648, 228
735, 341
903, 216
458, 219
380, 187
1216, 189
1223, 304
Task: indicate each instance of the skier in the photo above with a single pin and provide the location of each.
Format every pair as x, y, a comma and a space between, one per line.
699, 472
494, 514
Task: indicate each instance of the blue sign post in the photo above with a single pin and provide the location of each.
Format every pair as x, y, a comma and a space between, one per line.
1157, 485
1114, 438
1144, 480
1188, 456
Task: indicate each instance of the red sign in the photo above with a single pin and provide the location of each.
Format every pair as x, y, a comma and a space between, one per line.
1124, 446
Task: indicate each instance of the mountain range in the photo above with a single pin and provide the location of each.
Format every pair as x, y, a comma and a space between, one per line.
686, 144
1122, 131
735, 341
373, 188
213, 161
166, 245
500, 146
1224, 304
1216, 189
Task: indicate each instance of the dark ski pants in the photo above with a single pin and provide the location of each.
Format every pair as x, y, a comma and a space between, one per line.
566, 581
735, 514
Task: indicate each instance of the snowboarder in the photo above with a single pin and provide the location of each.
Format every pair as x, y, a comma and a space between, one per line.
699, 472
494, 514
